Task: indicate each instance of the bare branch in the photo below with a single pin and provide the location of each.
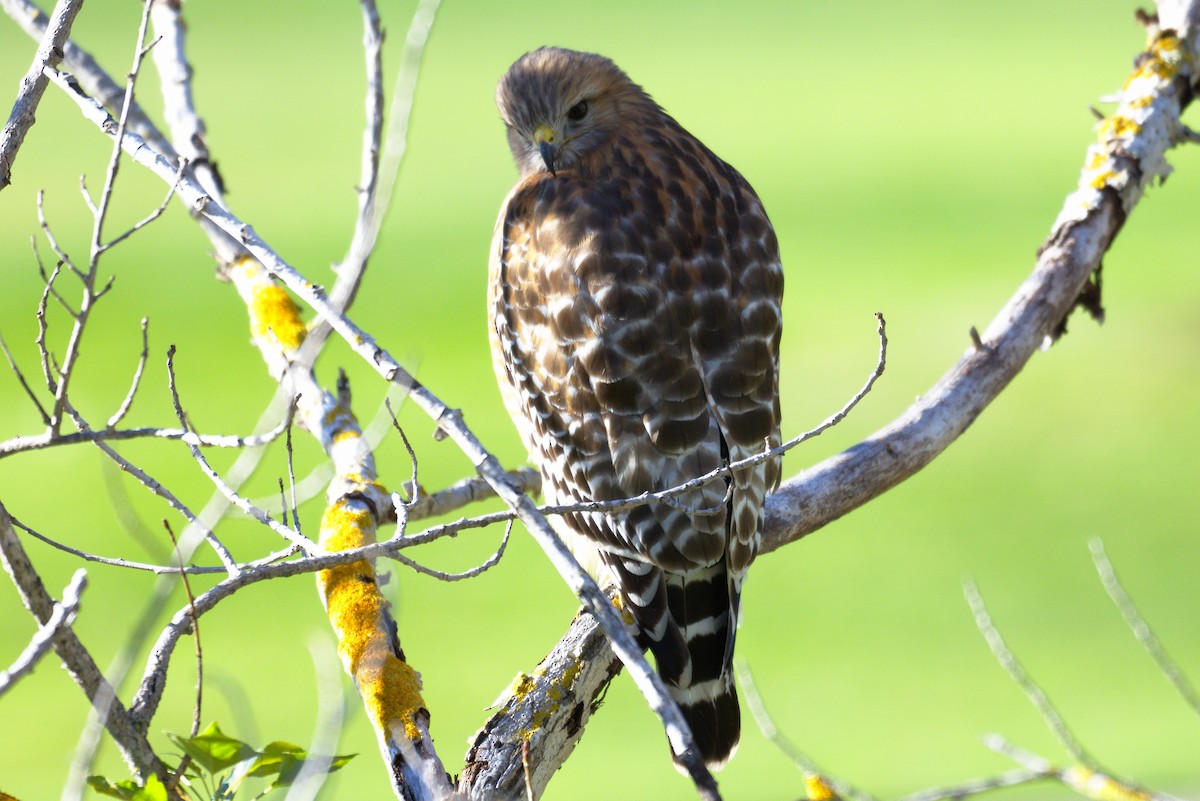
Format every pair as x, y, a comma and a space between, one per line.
48, 439
134, 747
1117, 170
62, 616
123, 409
149, 218
540, 719
1012, 778
90, 294
1035, 694
766, 725
110, 561
186, 127
12, 364
1140, 628
464, 493
152, 484
366, 226
187, 588
379, 171
33, 85
94, 80
253, 511
63, 258
488, 564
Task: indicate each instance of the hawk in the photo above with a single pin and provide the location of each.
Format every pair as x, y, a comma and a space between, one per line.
634, 294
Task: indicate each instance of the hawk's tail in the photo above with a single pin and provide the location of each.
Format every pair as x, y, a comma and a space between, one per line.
690, 631
703, 605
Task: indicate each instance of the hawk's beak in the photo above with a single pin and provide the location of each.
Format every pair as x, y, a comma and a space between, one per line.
543, 137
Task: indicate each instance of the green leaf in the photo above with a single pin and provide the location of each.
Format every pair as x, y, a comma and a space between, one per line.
127, 789
214, 750
154, 790
122, 789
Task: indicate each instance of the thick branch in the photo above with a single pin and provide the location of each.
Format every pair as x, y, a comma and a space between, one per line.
33, 85
542, 718
1128, 156
95, 81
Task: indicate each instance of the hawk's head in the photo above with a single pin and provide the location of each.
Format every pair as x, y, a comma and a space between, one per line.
560, 107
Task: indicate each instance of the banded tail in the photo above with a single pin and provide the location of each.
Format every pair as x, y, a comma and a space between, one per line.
691, 632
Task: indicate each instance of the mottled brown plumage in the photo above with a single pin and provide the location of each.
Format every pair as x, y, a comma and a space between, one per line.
634, 293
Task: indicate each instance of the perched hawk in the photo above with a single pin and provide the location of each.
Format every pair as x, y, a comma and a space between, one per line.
634, 294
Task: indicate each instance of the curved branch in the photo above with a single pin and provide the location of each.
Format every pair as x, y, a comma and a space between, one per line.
1129, 154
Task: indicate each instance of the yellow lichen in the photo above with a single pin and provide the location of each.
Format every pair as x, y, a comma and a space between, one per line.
1167, 57
817, 788
557, 690
390, 688
522, 686
1099, 787
1096, 159
1117, 126
272, 309
1102, 179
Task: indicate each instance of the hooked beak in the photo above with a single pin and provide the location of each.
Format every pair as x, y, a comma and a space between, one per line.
544, 138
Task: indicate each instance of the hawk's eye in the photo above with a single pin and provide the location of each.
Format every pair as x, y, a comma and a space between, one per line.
578, 111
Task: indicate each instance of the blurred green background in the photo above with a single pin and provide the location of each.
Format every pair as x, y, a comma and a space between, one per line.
912, 157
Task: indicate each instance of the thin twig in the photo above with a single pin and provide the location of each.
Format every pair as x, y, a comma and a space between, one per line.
155, 486
24, 385
42, 641
1012, 778
106, 560
379, 169
237, 500
462, 493
22, 443
52, 240
1008, 661
90, 294
187, 588
491, 562
186, 127
149, 218
1140, 628
123, 409
766, 725
292, 482
46, 277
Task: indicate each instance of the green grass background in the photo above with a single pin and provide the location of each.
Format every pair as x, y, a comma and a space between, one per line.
912, 157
